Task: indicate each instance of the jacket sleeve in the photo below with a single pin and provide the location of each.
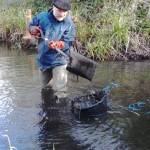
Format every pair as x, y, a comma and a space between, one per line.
69, 36
34, 22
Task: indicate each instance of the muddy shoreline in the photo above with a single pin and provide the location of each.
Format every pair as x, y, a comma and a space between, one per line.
141, 52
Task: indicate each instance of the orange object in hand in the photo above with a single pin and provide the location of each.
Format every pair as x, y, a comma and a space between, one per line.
59, 44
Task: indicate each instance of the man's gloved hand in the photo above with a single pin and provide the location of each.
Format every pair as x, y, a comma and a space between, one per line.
59, 44
35, 30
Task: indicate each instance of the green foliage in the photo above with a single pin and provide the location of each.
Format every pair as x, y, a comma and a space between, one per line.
142, 21
1, 2
13, 17
39, 5
101, 25
104, 25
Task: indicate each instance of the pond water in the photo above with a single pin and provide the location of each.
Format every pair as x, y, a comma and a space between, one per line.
32, 120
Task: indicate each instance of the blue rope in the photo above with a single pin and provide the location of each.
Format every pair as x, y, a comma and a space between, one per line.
110, 85
147, 113
133, 108
140, 106
136, 107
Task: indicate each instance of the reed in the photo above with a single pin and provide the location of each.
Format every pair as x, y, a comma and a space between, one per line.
103, 27
107, 25
13, 18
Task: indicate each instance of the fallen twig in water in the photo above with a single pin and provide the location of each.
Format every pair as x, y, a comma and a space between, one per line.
128, 110
11, 147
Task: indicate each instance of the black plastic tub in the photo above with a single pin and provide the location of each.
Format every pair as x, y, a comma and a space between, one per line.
90, 105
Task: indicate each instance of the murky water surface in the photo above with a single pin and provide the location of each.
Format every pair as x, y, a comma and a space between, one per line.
32, 120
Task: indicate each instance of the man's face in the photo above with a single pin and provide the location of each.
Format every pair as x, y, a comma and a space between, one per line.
59, 14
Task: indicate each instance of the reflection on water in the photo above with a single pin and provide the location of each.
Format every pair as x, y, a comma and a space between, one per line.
18, 99
55, 124
33, 120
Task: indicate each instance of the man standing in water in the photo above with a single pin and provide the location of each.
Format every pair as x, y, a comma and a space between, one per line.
59, 29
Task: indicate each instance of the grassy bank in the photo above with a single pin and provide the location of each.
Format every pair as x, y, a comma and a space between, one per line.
105, 28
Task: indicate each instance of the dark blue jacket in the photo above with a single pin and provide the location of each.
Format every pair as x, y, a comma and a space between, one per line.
54, 30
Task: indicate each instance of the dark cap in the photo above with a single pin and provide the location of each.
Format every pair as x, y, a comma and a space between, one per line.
62, 4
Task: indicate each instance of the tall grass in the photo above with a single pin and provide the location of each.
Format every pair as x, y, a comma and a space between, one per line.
12, 17
107, 25
39, 5
103, 27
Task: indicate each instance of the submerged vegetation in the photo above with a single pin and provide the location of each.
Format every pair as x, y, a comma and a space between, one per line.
106, 29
